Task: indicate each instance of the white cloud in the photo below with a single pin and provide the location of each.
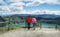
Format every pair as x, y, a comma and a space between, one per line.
52, 12
45, 12
16, 7
28, 0
37, 2
13, 1
2, 2
18, 4
52, 1
4, 8
13, 8
33, 4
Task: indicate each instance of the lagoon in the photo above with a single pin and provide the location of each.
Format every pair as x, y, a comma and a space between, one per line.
40, 24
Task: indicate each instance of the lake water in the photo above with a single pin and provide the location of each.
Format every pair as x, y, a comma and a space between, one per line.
44, 25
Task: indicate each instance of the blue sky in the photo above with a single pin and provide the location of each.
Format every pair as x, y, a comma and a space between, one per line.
43, 7
30, 7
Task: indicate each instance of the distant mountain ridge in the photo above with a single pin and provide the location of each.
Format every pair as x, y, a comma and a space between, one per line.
43, 18
43, 15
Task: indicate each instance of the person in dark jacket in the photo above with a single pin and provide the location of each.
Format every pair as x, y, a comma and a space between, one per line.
28, 21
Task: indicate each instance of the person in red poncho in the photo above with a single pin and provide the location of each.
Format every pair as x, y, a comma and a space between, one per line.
28, 21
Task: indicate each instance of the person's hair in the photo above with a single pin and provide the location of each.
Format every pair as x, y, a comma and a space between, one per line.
33, 16
28, 16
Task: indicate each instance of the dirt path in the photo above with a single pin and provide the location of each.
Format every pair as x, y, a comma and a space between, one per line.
31, 33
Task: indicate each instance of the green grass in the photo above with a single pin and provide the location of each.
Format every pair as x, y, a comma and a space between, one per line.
14, 26
3, 29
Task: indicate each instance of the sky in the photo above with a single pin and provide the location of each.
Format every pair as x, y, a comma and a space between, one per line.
30, 7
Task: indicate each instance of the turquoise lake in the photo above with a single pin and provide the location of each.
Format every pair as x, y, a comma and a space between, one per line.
44, 25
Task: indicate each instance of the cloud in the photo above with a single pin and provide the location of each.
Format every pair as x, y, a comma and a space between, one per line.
12, 8
38, 2
4, 8
39, 12
53, 1
8, 1
2, 2
35, 3
16, 7
15, 1
51, 12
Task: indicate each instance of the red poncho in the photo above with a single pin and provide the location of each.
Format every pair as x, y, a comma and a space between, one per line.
28, 20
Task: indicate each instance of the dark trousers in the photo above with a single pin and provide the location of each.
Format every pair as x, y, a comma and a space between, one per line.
34, 24
28, 25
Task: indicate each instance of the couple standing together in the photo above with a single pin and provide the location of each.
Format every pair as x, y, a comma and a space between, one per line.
30, 20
